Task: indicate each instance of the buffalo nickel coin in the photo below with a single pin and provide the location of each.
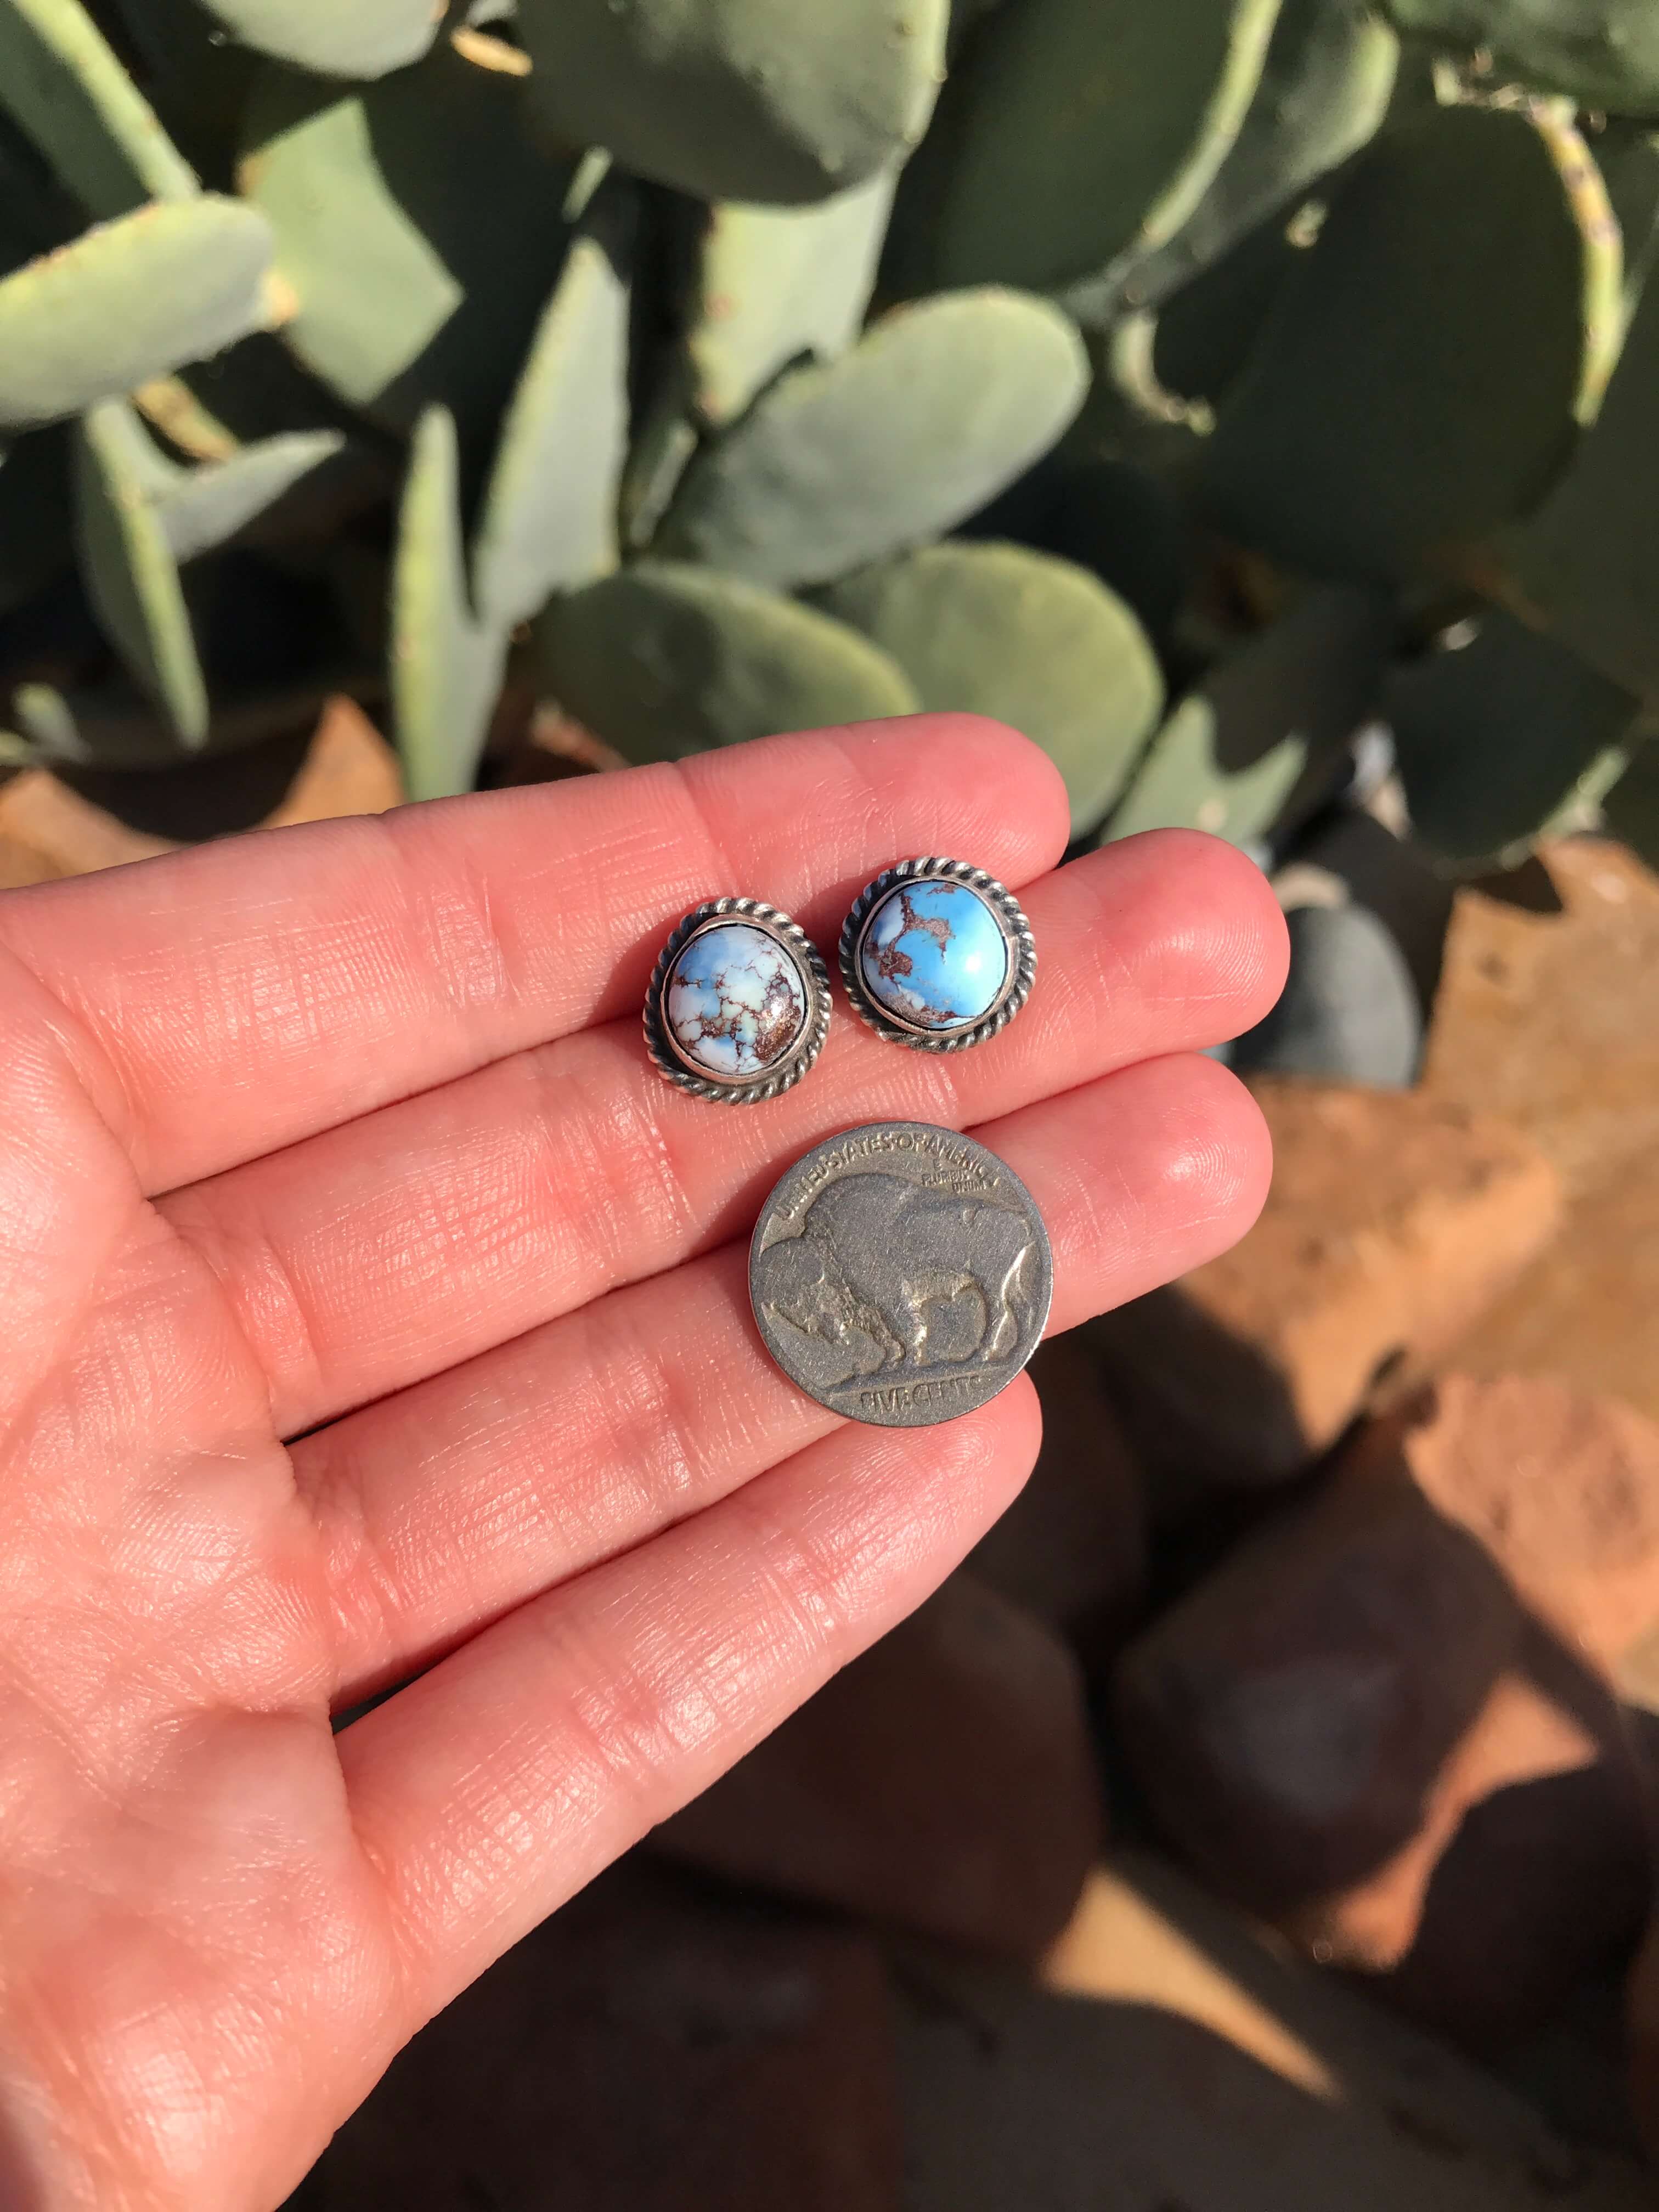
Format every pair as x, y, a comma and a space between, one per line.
901, 1274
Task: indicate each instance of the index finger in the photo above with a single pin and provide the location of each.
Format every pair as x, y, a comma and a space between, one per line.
235, 998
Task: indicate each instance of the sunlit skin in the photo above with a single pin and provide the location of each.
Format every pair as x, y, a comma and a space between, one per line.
371, 1306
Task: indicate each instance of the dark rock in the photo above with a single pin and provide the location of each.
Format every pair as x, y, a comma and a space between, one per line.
650, 2049
1381, 1723
945, 1783
1348, 1012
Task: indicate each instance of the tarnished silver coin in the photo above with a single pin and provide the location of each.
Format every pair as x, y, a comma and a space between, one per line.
901, 1274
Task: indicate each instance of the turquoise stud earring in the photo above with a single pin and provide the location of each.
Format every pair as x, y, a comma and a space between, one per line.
739, 1005
937, 955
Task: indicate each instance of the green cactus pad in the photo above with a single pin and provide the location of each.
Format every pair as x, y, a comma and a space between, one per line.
932, 413
1604, 54
335, 37
1496, 740
549, 514
664, 445
998, 629
129, 570
419, 226
446, 667
1324, 91
1236, 748
1419, 381
195, 76
205, 506
665, 659
774, 284
1076, 132
739, 100
1630, 807
114, 727
1587, 565
63, 85
1204, 333
128, 301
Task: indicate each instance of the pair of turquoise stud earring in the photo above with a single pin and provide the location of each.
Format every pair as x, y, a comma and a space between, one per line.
934, 954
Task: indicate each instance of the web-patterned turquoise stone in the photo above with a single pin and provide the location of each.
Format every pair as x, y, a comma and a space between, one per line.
935, 955
735, 1001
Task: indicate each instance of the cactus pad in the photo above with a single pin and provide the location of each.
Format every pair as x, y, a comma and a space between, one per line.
335, 37
665, 659
932, 413
1419, 381
1495, 741
1602, 52
739, 100
128, 301
412, 283
774, 284
65, 88
549, 514
998, 629
204, 506
1079, 131
1237, 747
1324, 91
446, 667
1587, 565
129, 568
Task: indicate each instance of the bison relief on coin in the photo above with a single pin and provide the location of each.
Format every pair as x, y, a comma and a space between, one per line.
901, 1274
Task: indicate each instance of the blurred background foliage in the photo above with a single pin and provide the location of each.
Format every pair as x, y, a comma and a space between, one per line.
1200, 385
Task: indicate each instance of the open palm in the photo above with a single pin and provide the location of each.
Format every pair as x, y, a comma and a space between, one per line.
373, 1310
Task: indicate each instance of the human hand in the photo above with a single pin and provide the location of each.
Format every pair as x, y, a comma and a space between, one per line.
372, 1307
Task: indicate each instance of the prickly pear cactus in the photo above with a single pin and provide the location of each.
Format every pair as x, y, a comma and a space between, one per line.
1420, 380
127, 302
385, 199
131, 570
1078, 132
938, 407
61, 82
363, 40
741, 99
1325, 84
706, 366
1502, 739
1604, 52
1587, 563
1264, 722
669, 658
1001, 630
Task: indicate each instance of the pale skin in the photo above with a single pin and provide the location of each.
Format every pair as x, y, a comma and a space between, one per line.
372, 1309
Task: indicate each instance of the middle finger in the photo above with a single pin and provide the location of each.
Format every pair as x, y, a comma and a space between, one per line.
400, 1244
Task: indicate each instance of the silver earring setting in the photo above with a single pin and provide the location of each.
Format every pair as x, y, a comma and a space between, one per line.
739, 1005
937, 955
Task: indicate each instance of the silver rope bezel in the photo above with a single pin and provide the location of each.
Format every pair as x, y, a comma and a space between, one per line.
1010, 920
740, 1091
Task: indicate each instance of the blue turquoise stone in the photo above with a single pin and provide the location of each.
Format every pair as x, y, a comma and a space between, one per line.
935, 955
735, 1000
